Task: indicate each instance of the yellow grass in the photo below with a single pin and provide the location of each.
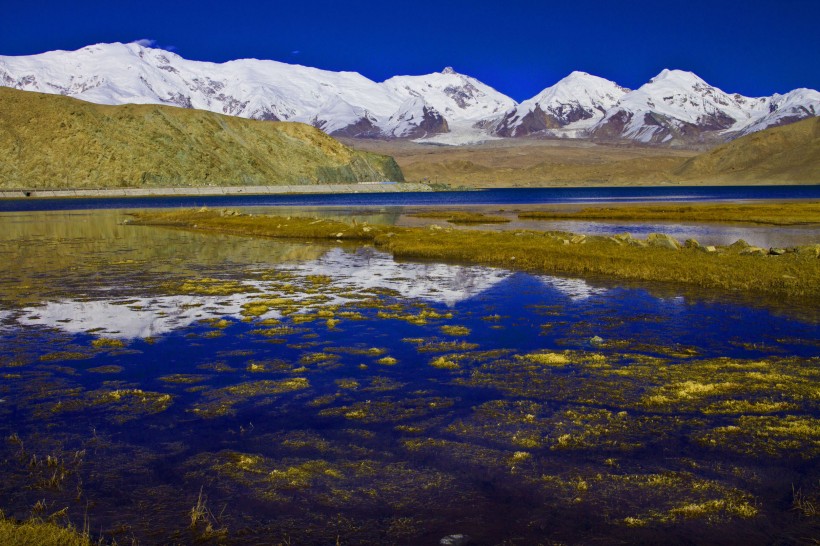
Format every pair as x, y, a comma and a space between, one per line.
728, 268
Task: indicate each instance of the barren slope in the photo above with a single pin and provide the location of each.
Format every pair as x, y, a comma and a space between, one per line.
54, 142
788, 154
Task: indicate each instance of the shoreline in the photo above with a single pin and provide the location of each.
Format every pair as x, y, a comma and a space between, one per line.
367, 187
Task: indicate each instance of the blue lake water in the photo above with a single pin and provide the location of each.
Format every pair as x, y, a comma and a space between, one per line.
311, 393
505, 196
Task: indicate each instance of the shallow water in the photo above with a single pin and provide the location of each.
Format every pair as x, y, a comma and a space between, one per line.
498, 196
308, 393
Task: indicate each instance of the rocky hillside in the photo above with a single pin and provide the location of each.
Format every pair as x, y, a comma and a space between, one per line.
55, 142
788, 154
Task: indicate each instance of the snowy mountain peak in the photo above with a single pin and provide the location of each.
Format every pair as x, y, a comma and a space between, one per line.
575, 103
678, 106
678, 78
448, 70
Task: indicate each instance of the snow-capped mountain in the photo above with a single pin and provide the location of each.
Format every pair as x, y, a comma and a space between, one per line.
784, 109
577, 102
679, 107
675, 107
463, 101
340, 103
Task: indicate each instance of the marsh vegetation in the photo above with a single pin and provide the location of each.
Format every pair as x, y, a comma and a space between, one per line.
792, 272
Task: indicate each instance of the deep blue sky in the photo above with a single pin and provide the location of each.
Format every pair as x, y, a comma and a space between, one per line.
517, 46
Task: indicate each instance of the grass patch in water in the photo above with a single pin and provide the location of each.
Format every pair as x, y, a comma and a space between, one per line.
444, 363
791, 436
455, 331
388, 410
107, 343
220, 402
462, 217
119, 405
183, 379
65, 355
210, 287
112, 368
436, 345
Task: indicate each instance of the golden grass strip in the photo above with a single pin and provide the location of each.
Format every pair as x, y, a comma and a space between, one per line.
774, 213
794, 273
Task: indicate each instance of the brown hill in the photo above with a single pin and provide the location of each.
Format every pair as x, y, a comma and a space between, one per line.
780, 155
55, 142
788, 154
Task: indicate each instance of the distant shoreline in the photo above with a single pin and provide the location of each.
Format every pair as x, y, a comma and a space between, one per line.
366, 187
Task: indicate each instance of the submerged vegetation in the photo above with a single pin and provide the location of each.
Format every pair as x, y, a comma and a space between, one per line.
741, 267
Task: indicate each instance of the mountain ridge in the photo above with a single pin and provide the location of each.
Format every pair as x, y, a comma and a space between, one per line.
676, 108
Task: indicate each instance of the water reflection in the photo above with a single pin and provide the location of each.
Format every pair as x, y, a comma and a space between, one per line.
134, 318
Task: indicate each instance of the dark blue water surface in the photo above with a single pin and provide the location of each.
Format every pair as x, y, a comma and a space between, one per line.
505, 196
309, 394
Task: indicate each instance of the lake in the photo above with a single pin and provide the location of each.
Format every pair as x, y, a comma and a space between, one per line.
175, 387
501, 196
